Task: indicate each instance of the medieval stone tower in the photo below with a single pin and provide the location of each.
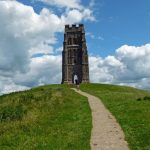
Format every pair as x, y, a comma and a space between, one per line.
75, 55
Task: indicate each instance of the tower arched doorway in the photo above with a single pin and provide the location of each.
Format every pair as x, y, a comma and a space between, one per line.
75, 77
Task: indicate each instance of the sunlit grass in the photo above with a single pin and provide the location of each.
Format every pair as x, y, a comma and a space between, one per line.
131, 107
49, 117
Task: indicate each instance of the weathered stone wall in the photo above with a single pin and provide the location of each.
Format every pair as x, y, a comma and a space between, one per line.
75, 55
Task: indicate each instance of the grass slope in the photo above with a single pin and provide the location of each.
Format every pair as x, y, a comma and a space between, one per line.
48, 117
132, 114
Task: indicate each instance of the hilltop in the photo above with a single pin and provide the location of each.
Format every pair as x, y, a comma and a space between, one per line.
54, 116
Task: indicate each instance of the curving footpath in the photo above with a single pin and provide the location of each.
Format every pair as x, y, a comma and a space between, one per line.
106, 132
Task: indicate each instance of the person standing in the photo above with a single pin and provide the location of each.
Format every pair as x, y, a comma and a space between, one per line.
76, 80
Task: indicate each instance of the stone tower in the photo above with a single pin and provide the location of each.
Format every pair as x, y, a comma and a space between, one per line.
75, 55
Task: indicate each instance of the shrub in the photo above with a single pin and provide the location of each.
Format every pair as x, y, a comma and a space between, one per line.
139, 99
9, 113
146, 98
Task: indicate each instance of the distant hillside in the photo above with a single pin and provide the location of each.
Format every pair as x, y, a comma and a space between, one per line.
131, 107
48, 117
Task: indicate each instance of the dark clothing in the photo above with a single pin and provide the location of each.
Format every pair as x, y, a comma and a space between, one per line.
77, 82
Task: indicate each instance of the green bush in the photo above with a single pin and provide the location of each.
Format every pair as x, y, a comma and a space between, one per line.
9, 113
146, 98
139, 99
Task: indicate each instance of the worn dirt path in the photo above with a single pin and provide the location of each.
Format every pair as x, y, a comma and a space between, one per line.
106, 132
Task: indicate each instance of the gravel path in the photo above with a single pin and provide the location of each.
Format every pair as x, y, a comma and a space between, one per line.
106, 132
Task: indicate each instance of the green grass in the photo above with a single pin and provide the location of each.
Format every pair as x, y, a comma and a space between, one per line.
45, 118
131, 107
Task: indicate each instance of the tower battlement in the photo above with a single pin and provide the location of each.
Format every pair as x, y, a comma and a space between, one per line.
74, 27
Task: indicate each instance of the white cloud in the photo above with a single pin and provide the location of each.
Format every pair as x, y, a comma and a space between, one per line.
43, 70
41, 49
74, 16
63, 3
98, 72
92, 36
7, 85
92, 3
75, 12
88, 15
100, 38
59, 49
129, 66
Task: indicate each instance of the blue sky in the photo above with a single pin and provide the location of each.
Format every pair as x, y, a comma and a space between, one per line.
121, 22
118, 22
31, 40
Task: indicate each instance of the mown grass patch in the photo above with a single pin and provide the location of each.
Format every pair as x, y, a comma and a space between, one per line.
131, 107
45, 118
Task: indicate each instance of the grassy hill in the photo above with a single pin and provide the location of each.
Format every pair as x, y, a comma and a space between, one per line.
131, 107
54, 117
45, 118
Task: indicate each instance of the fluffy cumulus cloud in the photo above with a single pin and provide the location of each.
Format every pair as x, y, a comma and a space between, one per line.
66, 3
43, 70
129, 66
75, 12
25, 34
